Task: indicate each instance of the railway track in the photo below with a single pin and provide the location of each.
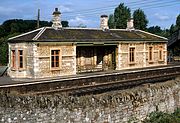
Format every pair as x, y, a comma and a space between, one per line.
94, 83
111, 86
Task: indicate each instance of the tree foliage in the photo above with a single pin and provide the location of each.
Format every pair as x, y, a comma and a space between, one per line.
158, 31
14, 27
172, 29
65, 23
121, 15
140, 20
160, 117
111, 21
178, 22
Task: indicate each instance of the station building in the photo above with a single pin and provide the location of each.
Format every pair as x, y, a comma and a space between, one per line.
58, 51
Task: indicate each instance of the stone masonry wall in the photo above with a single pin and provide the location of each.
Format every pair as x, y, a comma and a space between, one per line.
68, 60
36, 60
141, 55
112, 107
27, 70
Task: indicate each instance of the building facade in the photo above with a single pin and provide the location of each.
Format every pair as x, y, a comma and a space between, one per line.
56, 51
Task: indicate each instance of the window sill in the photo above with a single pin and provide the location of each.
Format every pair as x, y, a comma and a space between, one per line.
132, 63
160, 60
19, 69
150, 62
55, 69
13, 69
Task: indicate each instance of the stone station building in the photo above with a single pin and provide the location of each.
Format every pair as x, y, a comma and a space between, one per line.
58, 51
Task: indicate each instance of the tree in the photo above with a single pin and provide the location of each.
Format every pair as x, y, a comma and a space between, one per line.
172, 29
111, 21
81, 25
158, 31
65, 23
140, 20
2, 31
178, 22
154, 29
15, 27
121, 15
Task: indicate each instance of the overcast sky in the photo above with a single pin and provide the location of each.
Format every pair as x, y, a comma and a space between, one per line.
87, 12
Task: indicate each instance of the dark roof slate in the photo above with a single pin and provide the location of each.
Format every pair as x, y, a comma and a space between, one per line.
83, 35
25, 37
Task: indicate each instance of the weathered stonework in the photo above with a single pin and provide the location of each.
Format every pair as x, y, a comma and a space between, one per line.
16, 72
141, 55
113, 107
75, 59
37, 60
68, 60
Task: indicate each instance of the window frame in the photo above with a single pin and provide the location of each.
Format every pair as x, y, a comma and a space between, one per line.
19, 57
150, 54
59, 61
160, 53
13, 59
132, 59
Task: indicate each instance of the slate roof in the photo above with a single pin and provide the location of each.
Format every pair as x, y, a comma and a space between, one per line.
49, 34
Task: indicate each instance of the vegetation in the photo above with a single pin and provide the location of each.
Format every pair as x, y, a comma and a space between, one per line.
15, 27
121, 15
140, 20
160, 117
178, 22
111, 21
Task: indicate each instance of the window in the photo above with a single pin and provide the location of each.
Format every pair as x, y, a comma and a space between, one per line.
132, 54
13, 58
55, 58
150, 54
17, 59
160, 54
20, 57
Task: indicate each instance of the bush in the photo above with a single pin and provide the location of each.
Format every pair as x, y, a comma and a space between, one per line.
160, 117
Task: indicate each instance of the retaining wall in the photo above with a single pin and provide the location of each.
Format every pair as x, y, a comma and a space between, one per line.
112, 107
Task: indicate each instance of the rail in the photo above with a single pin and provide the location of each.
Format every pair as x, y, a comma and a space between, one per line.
92, 83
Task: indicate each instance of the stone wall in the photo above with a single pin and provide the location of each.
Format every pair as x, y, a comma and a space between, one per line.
68, 60
156, 60
141, 55
37, 60
113, 107
27, 70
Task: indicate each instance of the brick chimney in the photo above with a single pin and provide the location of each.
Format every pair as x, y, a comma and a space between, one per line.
56, 19
130, 24
104, 22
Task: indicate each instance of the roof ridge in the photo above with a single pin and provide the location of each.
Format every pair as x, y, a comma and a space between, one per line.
121, 30
152, 34
82, 28
40, 33
24, 34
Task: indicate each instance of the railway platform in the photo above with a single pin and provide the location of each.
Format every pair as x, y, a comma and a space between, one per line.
126, 77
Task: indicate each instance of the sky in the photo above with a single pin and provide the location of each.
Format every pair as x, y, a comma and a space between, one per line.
87, 12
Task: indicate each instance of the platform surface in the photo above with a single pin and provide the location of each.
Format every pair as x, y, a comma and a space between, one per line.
7, 81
